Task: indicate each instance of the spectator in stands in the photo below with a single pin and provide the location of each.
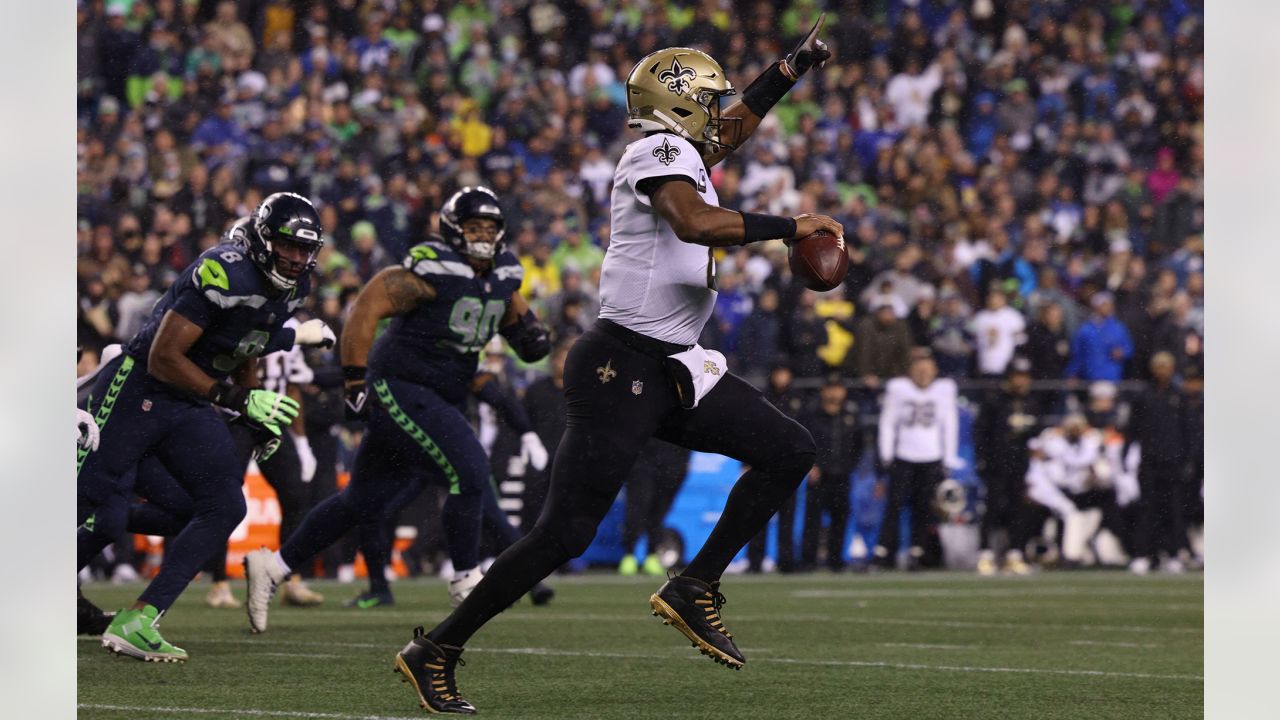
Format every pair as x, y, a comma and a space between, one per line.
999, 330
882, 346
1101, 345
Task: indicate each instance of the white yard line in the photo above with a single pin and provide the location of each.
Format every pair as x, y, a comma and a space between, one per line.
927, 646
301, 655
954, 593
549, 652
1105, 643
241, 712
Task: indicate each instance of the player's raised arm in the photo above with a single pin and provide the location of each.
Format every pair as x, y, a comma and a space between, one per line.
741, 119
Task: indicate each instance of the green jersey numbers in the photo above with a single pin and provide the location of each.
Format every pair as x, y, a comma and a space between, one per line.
474, 322
251, 345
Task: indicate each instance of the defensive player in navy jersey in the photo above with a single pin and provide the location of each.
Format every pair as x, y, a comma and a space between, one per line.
446, 301
226, 309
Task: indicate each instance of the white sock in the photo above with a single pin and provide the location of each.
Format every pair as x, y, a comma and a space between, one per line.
280, 563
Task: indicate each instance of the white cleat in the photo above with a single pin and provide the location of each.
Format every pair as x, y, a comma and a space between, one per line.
1014, 564
220, 596
1172, 566
1140, 566
462, 585
263, 574
986, 563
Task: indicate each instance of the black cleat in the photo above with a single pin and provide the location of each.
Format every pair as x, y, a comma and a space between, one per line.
693, 607
541, 594
428, 667
90, 619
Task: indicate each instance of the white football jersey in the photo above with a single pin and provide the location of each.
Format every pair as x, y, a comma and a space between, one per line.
652, 282
1068, 465
919, 424
286, 367
999, 333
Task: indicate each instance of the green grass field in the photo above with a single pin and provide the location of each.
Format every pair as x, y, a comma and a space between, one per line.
933, 645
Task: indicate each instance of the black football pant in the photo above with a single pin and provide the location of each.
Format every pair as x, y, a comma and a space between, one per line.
829, 496
911, 485
283, 472
786, 539
655, 480
1006, 509
619, 394
1162, 517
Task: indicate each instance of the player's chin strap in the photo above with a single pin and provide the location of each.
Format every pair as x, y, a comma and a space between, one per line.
528, 337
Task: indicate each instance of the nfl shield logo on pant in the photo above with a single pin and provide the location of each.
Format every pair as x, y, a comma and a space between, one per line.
637, 387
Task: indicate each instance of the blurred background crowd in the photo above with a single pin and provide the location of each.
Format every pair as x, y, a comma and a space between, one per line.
1017, 179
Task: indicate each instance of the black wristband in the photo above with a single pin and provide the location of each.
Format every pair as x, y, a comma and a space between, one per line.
765, 91
353, 372
227, 395
757, 227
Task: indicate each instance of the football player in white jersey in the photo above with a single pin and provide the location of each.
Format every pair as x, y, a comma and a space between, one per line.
1074, 475
639, 373
919, 432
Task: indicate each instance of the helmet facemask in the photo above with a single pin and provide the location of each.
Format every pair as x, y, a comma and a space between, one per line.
473, 203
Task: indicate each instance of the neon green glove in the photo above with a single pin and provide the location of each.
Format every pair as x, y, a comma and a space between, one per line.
269, 409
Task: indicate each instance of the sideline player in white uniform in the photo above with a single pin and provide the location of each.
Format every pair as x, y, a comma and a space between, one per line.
1075, 474
919, 432
638, 373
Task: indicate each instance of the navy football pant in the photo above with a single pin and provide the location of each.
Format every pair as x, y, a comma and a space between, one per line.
618, 394
376, 537
139, 416
413, 435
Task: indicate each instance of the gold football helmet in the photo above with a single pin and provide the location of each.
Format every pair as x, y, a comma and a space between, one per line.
678, 90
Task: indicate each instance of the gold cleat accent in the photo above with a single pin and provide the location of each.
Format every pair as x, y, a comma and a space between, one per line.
670, 617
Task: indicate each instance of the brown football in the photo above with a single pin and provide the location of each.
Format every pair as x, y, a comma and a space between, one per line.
820, 260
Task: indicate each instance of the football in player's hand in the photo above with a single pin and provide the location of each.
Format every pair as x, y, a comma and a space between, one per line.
820, 260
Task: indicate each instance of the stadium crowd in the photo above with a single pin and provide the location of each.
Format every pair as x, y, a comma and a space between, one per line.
1023, 181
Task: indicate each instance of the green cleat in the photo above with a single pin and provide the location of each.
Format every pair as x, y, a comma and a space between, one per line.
134, 633
653, 566
628, 566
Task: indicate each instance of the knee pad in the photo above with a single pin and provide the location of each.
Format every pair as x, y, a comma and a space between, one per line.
567, 540
796, 453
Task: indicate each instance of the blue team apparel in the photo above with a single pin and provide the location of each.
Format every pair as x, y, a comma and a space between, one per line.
420, 372
242, 316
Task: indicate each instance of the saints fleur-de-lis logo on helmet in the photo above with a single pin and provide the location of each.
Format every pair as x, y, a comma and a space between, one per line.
667, 153
677, 77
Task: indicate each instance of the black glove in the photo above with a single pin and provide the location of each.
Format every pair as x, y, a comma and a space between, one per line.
811, 52
354, 402
528, 337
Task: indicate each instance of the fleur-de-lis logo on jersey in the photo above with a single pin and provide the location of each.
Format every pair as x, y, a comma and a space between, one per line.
709, 366
607, 372
667, 153
677, 77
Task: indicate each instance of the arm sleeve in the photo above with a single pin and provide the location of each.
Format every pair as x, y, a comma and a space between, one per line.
950, 425
888, 425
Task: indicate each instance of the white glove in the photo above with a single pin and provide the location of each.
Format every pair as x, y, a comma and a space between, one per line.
306, 458
533, 451
955, 463
87, 432
314, 333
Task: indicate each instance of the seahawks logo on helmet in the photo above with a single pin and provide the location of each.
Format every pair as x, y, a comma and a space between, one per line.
666, 154
678, 77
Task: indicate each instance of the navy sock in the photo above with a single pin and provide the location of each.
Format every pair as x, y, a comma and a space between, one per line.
461, 519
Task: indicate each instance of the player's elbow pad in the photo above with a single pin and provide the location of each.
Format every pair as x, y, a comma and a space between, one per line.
528, 337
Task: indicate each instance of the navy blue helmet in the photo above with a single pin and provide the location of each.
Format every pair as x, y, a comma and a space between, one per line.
466, 204
285, 237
